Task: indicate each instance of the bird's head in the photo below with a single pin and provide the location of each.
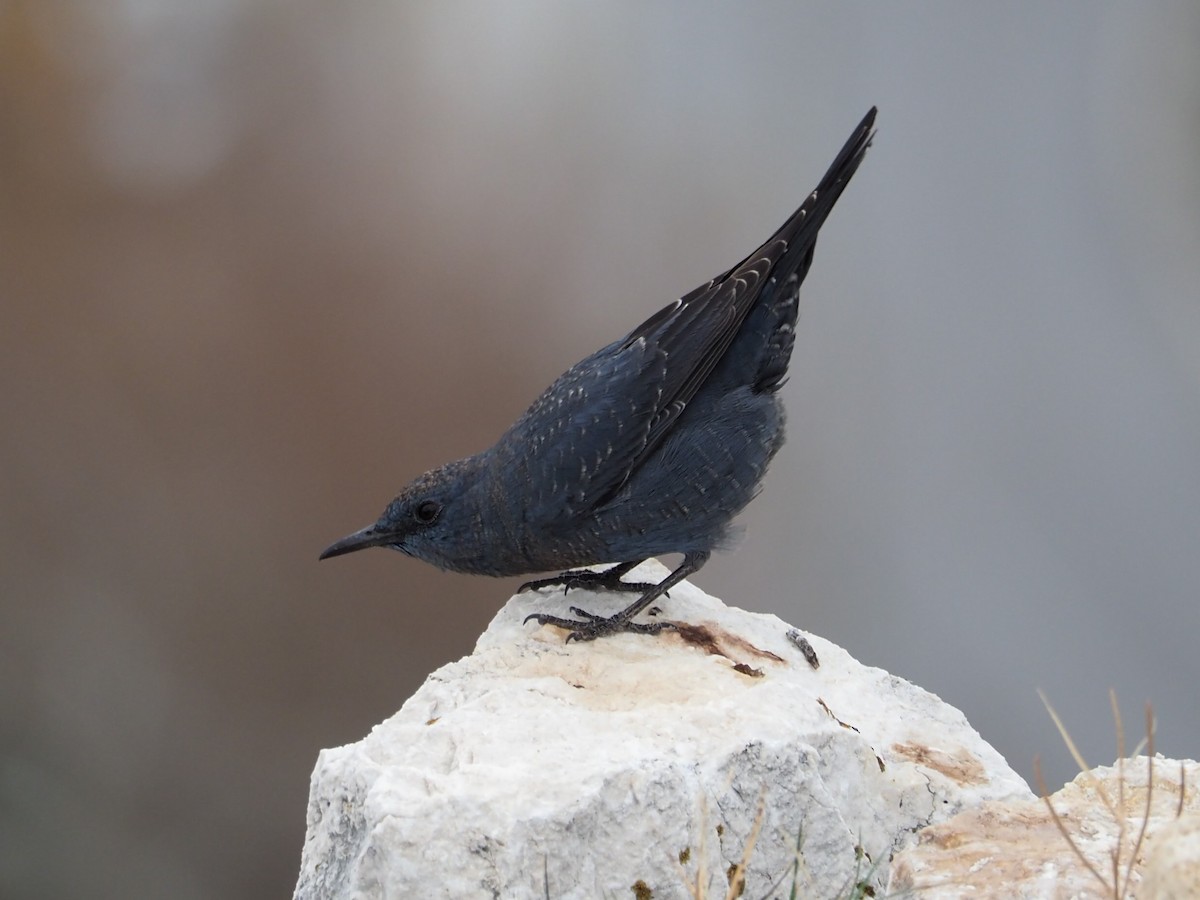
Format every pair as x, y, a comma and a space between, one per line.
432, 519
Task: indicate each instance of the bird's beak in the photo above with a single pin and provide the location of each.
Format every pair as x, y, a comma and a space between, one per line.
371, 536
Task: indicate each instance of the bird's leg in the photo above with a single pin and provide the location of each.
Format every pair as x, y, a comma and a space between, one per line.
608, 580
591, 626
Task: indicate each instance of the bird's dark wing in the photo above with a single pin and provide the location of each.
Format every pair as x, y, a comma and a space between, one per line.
592, 429
579, 437
695, 331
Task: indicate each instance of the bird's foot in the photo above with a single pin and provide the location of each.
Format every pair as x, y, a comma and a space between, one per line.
590, 626
577, 579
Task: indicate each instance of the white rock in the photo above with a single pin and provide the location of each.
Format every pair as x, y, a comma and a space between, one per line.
640, 764
1015, 849
1173, 870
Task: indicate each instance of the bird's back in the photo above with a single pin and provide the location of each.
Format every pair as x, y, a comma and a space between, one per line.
654, 443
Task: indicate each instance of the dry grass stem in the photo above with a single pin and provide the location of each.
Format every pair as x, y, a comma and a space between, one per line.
737, 881
1122, 875
1041, 783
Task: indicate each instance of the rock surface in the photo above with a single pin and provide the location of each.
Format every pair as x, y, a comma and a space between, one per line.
1007, 849
1173, 867
642, 766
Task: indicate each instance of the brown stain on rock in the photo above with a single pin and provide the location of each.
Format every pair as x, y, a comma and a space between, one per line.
717, 641
960, 767
825, 706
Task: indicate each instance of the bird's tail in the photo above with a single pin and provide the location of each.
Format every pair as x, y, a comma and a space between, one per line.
799, 232
777, 319
775, 315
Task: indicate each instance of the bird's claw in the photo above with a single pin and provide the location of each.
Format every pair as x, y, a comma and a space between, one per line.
578, 579
591, 626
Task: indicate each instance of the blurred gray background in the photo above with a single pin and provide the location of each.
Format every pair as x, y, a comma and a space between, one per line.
263, 262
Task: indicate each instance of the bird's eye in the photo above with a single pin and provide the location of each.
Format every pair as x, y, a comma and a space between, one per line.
427, 511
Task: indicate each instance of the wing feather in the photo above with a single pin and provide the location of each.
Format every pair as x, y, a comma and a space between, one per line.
587, 434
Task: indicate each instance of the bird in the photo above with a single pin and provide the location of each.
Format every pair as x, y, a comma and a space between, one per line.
650, 446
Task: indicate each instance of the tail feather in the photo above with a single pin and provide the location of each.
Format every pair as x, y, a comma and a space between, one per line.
777, 352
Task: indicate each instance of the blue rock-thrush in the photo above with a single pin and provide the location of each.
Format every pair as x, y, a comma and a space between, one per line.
649, 446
